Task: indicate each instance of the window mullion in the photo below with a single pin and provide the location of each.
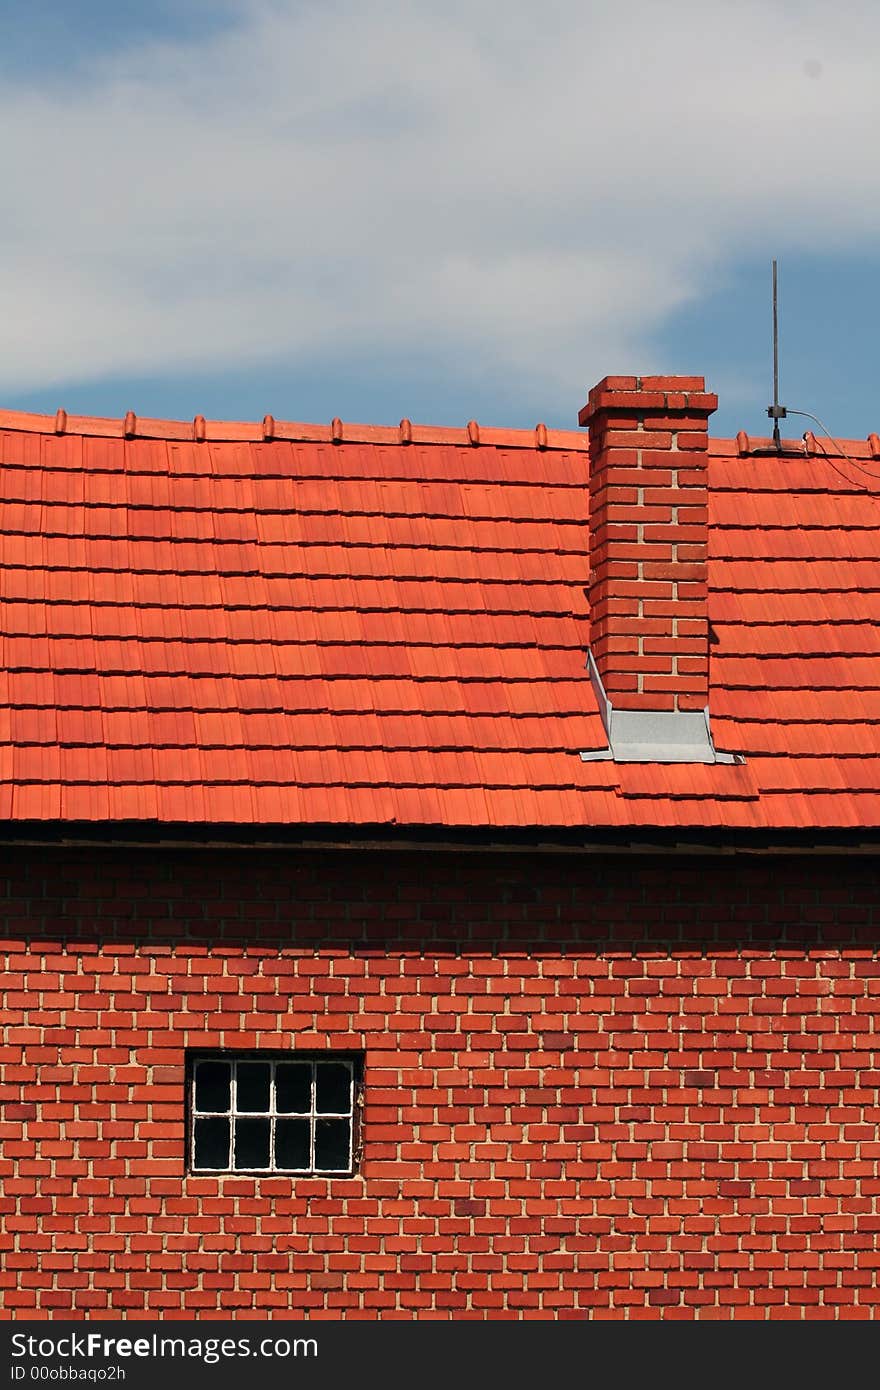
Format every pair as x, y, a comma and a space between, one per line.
272, 1115
313, 1100
233, 1106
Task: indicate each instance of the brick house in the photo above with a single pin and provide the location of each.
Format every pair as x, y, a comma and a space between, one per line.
439, 869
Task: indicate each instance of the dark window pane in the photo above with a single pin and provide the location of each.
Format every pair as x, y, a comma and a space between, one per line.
212, 1086
332, 1144
251, 1144
212, 1144
252, 1086
293, 1088
333, 1088
292, 1144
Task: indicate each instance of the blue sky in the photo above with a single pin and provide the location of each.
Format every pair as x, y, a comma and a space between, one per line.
59, 39
374, 209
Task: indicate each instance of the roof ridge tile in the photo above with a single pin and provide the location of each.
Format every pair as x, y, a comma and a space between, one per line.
271, 429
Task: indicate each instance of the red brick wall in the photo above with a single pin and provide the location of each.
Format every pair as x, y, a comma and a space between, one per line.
595, 1087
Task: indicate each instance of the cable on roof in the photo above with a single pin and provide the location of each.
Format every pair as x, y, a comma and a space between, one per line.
838, 446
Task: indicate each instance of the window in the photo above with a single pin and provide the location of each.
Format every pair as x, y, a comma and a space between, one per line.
284, 1113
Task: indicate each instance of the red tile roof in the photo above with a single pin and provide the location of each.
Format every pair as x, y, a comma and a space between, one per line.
271, 628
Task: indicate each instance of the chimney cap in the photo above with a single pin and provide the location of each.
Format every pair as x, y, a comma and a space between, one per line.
631, 395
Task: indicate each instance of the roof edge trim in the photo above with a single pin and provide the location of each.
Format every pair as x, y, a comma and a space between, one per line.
563, 840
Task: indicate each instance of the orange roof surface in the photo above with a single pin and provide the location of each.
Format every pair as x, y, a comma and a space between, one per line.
301, 625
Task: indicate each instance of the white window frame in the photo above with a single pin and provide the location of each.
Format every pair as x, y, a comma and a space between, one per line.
275, 1060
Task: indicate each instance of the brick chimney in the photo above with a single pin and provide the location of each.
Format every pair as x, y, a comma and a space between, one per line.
649, 631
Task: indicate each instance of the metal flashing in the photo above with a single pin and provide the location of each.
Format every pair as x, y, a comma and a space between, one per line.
653, 736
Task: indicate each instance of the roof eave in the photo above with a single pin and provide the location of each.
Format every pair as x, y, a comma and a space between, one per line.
546, 839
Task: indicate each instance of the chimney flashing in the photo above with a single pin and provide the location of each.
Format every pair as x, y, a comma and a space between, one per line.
653, 736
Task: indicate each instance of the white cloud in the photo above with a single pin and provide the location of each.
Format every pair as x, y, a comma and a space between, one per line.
536, 185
